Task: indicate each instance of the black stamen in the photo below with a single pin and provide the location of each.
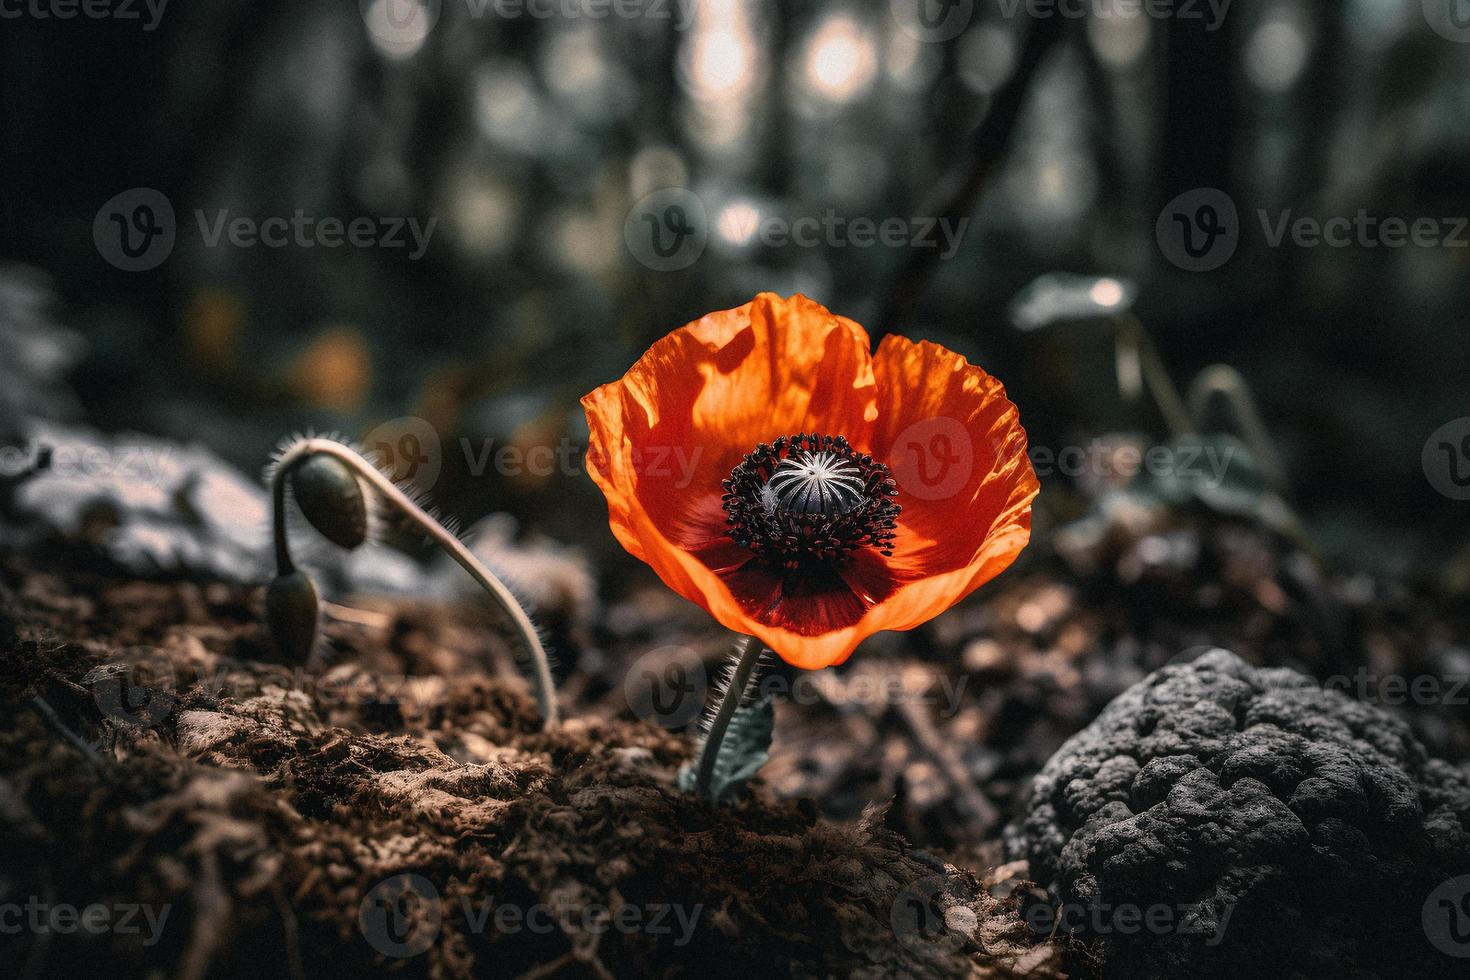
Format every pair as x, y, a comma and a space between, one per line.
810, 499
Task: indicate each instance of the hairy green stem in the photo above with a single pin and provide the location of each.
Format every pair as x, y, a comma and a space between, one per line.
502, 596
750, 655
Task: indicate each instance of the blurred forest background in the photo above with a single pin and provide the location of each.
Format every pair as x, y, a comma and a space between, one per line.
531, 139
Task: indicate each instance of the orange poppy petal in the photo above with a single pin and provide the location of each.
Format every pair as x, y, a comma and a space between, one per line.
958, 453
665, 436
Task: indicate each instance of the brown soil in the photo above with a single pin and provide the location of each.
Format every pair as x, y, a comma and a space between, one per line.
400, 809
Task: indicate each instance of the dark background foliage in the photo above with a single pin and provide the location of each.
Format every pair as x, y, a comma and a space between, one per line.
529, 140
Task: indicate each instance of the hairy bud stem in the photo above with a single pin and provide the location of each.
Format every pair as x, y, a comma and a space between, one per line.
303, 450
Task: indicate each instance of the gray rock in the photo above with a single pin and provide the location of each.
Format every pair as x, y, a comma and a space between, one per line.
1258, 825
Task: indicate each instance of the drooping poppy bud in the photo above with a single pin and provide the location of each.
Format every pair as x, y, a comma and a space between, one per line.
331, 498
291, 609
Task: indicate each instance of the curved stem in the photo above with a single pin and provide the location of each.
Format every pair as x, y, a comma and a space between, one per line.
541, 666
750, 655
284, 565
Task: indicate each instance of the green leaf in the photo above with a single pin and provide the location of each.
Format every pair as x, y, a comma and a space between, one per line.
1218, 473
746, 748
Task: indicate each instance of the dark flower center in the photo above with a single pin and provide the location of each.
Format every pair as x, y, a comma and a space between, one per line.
810, 499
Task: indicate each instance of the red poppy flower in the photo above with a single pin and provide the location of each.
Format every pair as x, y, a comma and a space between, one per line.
803, 489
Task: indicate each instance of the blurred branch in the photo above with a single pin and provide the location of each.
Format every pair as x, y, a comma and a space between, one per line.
959, 191
1225, 383
1139, 365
